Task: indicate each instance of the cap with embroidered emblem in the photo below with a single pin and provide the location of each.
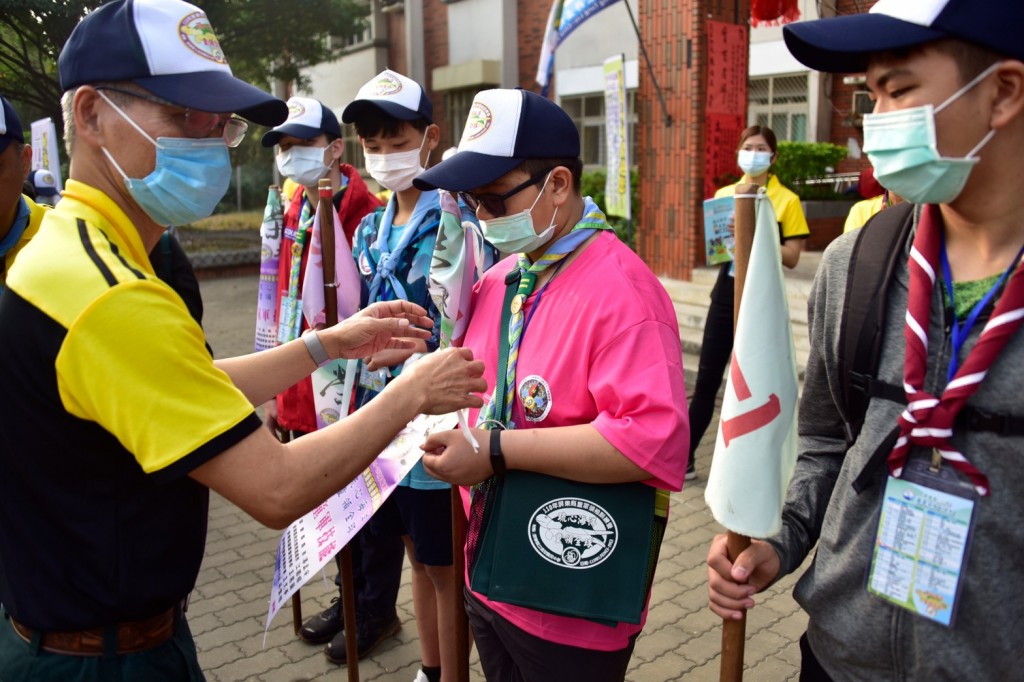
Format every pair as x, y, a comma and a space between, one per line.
307, 118
394, 94
167, 47
503, 129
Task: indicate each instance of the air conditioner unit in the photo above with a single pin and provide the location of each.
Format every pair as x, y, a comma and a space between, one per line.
862, 103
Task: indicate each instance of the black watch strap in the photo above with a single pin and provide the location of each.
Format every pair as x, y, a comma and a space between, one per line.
497, 458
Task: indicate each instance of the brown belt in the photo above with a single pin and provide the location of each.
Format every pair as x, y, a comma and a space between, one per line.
132, 637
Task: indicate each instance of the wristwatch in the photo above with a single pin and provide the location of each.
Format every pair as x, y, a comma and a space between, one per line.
497, 458
316, 348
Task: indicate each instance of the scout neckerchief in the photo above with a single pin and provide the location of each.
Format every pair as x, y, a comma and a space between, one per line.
927, 420
390, 259
13, 236
499, 408
290, 318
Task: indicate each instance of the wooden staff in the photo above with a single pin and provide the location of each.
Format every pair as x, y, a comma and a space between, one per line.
734, 631
459, 577
325, 207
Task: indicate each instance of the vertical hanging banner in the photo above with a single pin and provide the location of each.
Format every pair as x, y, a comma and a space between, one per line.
44, 149
270, 256
616, 190
726, 105
334, 382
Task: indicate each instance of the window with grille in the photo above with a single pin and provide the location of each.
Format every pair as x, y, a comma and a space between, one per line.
353, 148
780, 102
456, 109
587, 112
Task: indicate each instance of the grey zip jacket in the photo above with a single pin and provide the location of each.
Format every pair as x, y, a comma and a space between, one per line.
858, 636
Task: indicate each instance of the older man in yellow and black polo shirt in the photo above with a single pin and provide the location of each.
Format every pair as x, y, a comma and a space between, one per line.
114, 420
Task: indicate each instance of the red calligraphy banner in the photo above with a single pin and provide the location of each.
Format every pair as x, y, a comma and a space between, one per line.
726, 104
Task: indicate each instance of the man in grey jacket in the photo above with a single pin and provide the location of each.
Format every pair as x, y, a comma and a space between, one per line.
952, 69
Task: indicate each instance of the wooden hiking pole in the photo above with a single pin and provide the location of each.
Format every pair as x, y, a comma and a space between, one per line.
734, 631
325, 208
459, 577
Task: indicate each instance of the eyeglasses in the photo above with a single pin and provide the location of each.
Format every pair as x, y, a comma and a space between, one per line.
198, 124
495, 203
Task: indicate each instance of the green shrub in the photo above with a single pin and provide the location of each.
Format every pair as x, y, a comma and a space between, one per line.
592, 185
799, 161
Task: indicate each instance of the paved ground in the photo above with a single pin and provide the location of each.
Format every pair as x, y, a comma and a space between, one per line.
682, 639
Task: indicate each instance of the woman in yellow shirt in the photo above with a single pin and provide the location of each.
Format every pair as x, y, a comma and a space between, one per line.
757, 151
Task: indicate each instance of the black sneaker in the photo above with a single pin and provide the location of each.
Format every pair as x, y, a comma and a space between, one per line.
369, 634
691, 470
322, 627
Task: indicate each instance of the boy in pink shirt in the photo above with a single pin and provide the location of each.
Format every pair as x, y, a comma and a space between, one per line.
594, 362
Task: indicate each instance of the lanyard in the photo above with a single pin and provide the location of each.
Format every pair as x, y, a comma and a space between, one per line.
960, 332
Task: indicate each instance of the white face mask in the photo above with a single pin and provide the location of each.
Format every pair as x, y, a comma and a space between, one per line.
304, 165
397, 170
754, 163
515, 233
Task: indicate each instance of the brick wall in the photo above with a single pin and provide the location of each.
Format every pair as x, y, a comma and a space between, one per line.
435, 50
532, 19
842, 99
671, 158
398, 60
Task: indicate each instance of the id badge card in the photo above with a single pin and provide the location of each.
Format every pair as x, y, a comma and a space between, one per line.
923, 541
374, 380
290, 322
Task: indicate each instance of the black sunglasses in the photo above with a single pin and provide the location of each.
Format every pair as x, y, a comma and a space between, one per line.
495, 203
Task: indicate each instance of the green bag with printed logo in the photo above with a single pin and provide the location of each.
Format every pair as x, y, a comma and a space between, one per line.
573, 549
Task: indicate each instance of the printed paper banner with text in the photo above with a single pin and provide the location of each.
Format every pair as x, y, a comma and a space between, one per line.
616, 193
270, 255
311, 542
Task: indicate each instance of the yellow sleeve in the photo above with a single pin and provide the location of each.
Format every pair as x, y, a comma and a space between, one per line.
135, 363
861, 212
791, 217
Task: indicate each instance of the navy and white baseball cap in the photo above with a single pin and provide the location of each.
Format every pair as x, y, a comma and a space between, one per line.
844, 44
394, 94
44, 182
10, 125
167, 47
504, 128
307, 118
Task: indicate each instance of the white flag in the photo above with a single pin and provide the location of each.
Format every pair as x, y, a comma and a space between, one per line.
550, 44
756, 446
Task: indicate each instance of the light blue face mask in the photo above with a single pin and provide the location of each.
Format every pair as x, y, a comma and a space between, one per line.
189, 179
902, 148
753, 163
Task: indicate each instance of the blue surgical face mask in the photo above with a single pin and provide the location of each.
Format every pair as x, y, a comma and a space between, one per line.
754, 163
902, 148
189, 179
515, 233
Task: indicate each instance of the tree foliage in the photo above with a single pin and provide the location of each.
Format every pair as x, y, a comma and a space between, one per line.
264, 40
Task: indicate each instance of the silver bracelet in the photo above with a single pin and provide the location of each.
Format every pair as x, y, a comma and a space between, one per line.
316, 348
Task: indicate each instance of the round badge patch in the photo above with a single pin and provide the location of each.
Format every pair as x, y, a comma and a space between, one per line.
535, 394
573, 533
295, 109
387, 84
197, 34
479, 121
364, 264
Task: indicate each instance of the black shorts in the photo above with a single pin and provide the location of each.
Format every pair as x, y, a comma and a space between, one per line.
423, 515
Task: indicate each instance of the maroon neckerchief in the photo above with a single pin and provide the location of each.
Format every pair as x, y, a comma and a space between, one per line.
927, 420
